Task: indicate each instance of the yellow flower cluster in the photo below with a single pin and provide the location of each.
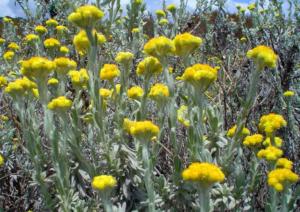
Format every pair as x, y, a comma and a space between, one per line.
37, 67
149, 66
31, 37
289, 93
9, 55
124, 57
200, 75
186, 43
271, 122
277, 142
109, 72
204, 173
105, 93
253, 140
142, 130
3, 81
231, 131
284, 163
160, 13
64, 50
271, 153
159, 92
159, 47
51, 43
104, 182
264, 56
279, 178
135, 92
2, 41
61, 29
52, 81
40, 29
182, 114
20, 87
14, 46
64, 65
1, 160
60, 104
82, 43
86, 16
79, 78
251, 7
171, 8
163, 21
51, 22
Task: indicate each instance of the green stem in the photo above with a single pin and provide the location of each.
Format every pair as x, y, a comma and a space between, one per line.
204, 198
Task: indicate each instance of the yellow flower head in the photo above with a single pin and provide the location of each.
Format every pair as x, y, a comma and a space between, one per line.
159, 92
186, 43
105, 93
64, 65
279, 178
251, 7
64, 50
4, 118
86, 16
3, 81
14, 46
1, 160
163, 22
159, 47
37, 67
8, 20
271, 122
271, 153
182, 115
20, 87
284, 163
79, 78
263, 56
31, 38
135, 92
52, 82
231, 131
9, 55
243, 39
135, 30
200, 76
61, 29
104, 182
171, 8
204, 173
61, 104
82, 43
253, 140
109, 72
160, 13
124, 57
51, 23
278, 142
142, 130
51, 43
289, 93
40, 30
149, 66
2, 41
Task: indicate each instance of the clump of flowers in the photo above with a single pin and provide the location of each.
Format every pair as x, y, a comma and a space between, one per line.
186, 43
51, 43
135, 92
104, 182
160, 13
142, 130
204, 173
271, 153
3, 81
289, 93
124, 57
105, 93
31, 38
253, 140
149, 66
200, 76
79, 78
82, 43
20, 87
9, 55
277, 142
13, 46
60, 104
37, 67
86, 16
271, 123
284, 163
231, 131
182, 114
52, 81
41, 30
263, 56
1, 160
61, 29
109, 72
51, 22
159, 92
279, 178
171, 8
159, 47
64, 65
